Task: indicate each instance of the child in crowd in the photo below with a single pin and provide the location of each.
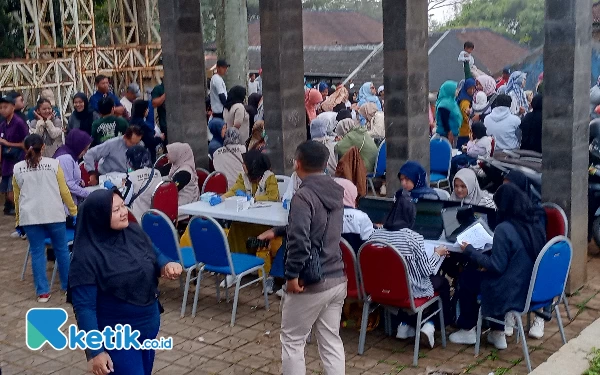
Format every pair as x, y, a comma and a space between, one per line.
108, 126
479, 145
76, 145
466, 58
413, 179
40, 191
13, 131
48, 126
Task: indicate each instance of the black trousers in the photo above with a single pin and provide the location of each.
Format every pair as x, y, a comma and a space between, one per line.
467, 293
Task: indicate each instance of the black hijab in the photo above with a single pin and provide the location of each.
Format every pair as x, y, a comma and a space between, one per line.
121, 263
402, 215
254, 100
343, 114
528, 220
252, 109
531, 126
522, 182
236, 95
257, 164
85, 117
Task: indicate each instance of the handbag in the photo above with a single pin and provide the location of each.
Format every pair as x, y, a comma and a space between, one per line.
312, 271
11, 153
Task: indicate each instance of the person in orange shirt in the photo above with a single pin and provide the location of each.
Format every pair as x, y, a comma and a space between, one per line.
464, 100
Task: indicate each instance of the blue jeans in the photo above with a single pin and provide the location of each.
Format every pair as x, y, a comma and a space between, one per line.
36, 234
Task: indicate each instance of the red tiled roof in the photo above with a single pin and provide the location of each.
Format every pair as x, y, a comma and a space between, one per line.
331, 28
492, 49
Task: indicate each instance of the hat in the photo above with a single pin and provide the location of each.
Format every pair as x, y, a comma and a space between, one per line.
134, 88
380, 89
7, 99
506, 71
480, 102
222, 63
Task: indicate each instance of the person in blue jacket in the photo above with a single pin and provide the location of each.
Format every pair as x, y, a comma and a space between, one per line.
113, 280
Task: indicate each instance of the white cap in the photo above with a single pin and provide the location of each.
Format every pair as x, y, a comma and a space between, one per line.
480, 101
380, 89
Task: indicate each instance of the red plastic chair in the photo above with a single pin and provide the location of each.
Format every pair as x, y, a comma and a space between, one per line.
85, 176
202, 176
166, 199
130, 216
354, 290
161, 161
384, 276
216, 182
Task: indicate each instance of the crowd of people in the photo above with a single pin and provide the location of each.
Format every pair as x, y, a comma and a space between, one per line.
113, 276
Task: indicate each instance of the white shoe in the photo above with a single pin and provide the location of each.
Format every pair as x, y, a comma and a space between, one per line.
498, 339
509, 324
537, 328
405, 331
464, 337
230, 282
17, 234
429, 330
279, 293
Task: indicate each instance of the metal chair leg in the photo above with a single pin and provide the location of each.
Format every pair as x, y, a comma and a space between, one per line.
264, 282
186, 290
560, 324
478, 333
524, 343
217, 282
363, 327
25, 264
197, 293
235, 299
566, 303
417, 338
442, 323
53, 274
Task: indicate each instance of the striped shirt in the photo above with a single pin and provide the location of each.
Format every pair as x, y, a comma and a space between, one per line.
412, 247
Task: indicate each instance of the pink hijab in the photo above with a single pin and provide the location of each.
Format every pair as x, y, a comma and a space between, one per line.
350, 191
312, 98
488, 83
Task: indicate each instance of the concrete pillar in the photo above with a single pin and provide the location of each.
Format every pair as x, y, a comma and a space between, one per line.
282, 58
406, 77
232, 39
567, 67
185, 85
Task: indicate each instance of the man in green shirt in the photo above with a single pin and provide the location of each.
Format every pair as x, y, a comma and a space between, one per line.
109, 125
158, 102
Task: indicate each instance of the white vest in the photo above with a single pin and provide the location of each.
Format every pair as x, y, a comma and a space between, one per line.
139, 179
39, 197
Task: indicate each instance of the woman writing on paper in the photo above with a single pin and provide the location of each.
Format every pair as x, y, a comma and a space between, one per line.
505, 272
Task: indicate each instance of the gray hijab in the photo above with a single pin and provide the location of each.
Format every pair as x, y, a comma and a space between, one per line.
232, 137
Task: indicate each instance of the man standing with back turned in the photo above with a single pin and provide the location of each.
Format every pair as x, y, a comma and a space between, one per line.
315, 223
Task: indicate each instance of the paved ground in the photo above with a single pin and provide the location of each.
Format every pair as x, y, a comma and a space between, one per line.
207, 345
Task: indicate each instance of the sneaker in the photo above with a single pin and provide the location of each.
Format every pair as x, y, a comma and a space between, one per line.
229, 280
17, 234
43, 298
405, 331
428, 330
509, 325
498, 339
537, 328
279, 293
464, 337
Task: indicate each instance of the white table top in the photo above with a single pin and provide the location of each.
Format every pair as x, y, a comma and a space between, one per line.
274, 214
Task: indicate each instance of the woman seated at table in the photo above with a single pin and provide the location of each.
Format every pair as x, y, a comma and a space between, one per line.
413, 179
76, 145
397, 231
467, 190
228, 159
183, 172
358, 227
140, 201
505, 273
258, 182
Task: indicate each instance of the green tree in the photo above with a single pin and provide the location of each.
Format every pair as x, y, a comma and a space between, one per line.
11, 33
520, 20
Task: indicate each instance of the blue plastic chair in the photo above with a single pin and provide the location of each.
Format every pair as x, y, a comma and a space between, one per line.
212, 252
164, 236
380, 166
440, 154
547, 287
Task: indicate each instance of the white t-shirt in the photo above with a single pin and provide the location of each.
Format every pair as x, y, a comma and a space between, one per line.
357, 222
126, 104
252, 87
217, 87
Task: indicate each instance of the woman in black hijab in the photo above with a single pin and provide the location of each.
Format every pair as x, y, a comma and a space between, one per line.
82, 117
518, 239
252, 109
531, 126
524, 183
397, 231
113, 280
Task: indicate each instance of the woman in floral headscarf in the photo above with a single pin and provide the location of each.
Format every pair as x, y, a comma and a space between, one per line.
514, 88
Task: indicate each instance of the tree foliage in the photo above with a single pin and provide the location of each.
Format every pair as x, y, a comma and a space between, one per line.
520, 20
11, 33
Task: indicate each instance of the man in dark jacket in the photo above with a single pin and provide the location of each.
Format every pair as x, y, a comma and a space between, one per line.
315, 222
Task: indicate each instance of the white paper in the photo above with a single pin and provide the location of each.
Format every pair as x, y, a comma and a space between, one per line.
476, 236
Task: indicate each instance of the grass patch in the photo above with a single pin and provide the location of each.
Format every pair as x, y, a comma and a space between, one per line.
501, 371
594, 363
582, 305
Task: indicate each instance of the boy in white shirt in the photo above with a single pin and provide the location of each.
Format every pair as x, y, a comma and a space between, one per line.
218, 90
466, 58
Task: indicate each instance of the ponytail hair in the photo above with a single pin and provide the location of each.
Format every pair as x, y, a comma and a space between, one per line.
33, 150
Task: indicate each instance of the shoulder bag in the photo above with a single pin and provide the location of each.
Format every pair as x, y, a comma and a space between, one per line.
312, 272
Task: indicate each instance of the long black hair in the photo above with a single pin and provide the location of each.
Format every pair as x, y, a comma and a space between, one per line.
33, 150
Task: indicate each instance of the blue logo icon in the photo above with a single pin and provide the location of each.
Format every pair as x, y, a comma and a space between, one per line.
43, 326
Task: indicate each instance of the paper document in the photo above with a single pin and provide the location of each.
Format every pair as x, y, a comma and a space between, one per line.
476, 236
429, 250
